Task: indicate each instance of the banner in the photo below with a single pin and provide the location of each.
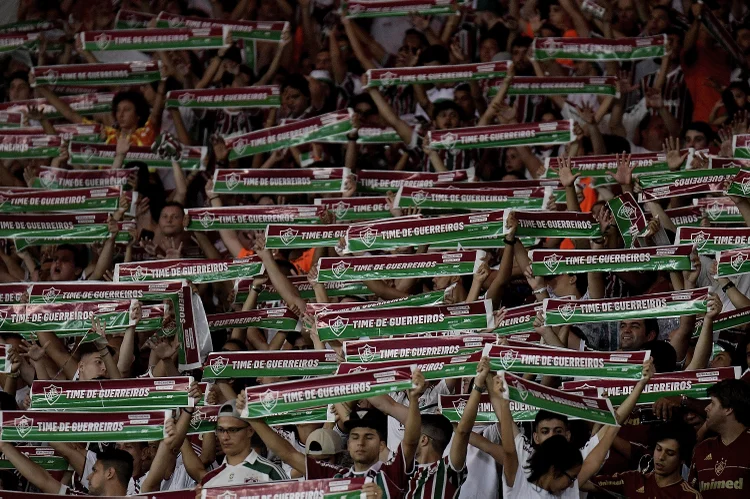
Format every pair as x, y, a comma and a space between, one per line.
479, 198
205, 419
304, 288
517, 320
732, 319
42, 229
60, 178
733, 262
453, 406
720, 210
683, 183
84, 154
97, 75
132, 19
357, 209
598, 166
30, 146
304, 236
599, 49
657, 258
12, 120
16, 41
112, 394
420, 265
77, 291
335, 488
12, 293
494, 136
481, 243
66, 319
367, 135
279, 398
382, 181
288, 135
558, 85
740, 185
709, 240
339, 325
377, 351
27, 426
76, 131
30, 26
429, 298
46, 457
280, 181
195, 270
652, 306
395, 234
282, 319
687, 216
365, 9
152, 40
619, 390
741, 146
558, 224
597, 410
563, 362
250, 217
284, 363
451, 366
265, 31
459, 73
106, 199
85, 105
629, 218
225, 98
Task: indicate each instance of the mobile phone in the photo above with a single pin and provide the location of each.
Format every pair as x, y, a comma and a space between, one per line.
147, 234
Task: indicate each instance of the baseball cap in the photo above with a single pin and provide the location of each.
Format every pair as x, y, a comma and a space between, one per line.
323, 442
229, 409
368, 418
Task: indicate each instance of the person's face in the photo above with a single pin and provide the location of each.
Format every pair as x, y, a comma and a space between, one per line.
405, 55
658, 22
148, 93
559, 483
364, 445
294, 101
19, 90
126, 116
548, 117
149, 452
97, 478
241, 80
626, 11
582, 68
91, 366
667, 457
740, 98
513, 162
633, 334
464, 100
743, 39
716, 414
695, 139
171, 220
557, 16
488, 49
722, 359
446, 119
233, 435
64, 267
548, 428
367, 115
323, 61
519, 56
413, 43
135, 449
655, 134
674, 46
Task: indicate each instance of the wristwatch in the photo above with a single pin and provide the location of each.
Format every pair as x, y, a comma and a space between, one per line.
727, 286
480, 390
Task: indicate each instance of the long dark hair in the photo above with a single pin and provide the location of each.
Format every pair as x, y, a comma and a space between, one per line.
554, 453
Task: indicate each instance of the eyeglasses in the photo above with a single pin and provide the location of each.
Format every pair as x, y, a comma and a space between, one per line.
230, 431
572, 480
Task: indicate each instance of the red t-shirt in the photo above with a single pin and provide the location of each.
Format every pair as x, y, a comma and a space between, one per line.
722, 471
634, 484
391, 477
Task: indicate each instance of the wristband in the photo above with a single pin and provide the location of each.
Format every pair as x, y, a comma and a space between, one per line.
539, 291
257, 289
510, 243
212, 198
13, 375
189, 412
480, 390
727, 286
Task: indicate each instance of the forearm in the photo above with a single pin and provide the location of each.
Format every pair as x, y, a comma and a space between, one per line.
279, 445
73, 456
704, 346
35, 474
126, 357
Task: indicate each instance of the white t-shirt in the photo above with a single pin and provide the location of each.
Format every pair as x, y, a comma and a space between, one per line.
483, 480
254, 469
427, 404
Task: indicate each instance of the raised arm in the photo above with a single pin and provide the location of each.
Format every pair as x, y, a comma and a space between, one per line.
35, 474
704, 347
62, 107
462, 433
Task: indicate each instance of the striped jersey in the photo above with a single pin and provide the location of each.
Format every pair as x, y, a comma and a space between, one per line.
438, 480
675, 95
254, 469
391, 477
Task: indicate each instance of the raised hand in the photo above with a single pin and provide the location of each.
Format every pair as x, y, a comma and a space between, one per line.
672, 150
624, 173
567, 177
